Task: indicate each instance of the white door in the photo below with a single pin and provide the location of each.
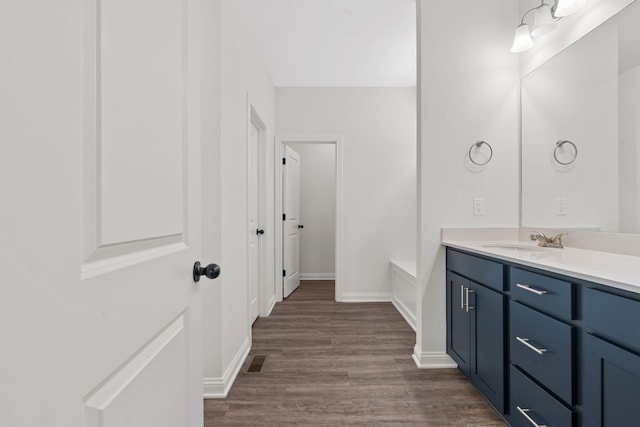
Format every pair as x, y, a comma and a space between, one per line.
255, 232
291, 232
100, 318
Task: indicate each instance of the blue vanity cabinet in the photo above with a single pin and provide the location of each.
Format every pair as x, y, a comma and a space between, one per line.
487, 344
612, 384
611, 358
458, 322
544, 348
475, 324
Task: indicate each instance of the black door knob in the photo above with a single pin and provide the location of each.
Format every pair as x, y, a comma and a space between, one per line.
259, 231
300, 226
211, 271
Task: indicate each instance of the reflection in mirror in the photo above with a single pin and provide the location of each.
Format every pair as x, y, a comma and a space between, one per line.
588, 94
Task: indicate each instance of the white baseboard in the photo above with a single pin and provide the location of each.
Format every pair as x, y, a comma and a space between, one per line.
317, 276
272, 304
365, 297
405, 312
432, 359
218, 388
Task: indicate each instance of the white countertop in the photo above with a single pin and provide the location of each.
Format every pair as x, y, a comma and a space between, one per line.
618, 271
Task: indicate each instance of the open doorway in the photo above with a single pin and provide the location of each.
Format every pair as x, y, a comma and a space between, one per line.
317, 210
309, 239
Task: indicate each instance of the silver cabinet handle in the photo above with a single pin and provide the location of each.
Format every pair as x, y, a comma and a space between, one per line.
468, 291
526, 415
526, 342
530, 289
461, 297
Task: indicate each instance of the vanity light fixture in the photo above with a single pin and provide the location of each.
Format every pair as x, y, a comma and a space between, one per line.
546, 17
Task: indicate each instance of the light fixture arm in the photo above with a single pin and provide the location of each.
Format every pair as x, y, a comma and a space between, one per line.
554, 6
526, 13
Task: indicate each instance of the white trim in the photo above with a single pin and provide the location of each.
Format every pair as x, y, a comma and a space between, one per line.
405, 312
264, 297
272, 303
366, 297
432, 359
218, 388
281, 141
403, 278
317, 276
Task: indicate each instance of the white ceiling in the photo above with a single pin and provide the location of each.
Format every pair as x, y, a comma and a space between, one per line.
336, 42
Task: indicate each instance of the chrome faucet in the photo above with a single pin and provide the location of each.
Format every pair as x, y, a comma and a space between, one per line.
547, 242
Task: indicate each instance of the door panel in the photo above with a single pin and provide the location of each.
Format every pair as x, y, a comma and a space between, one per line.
458, 329
611, 384
140, 86
101, 180
135, 128
291, 208
160, 369
487, 342
254, 224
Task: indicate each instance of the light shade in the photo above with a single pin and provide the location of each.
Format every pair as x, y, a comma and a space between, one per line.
568, 7
522, 40
543, 21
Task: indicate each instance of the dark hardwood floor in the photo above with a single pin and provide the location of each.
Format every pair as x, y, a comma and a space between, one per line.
336, 364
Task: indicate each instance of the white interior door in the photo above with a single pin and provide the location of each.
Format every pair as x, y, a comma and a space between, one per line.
100, 318
254, 224
291, 232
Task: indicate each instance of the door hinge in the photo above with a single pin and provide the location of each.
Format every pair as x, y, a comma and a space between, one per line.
284, 217
284, 160
284, 273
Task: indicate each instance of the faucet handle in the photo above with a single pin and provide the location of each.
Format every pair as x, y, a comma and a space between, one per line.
557, 240
536, 235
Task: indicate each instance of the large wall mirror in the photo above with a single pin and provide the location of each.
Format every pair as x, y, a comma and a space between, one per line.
581, 132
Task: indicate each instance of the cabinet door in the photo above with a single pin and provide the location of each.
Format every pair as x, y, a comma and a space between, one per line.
487, 343
611, 384
458, 339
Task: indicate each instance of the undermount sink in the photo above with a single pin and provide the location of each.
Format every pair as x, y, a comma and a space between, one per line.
518, 247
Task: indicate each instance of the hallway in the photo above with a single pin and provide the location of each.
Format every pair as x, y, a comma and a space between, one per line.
342, 364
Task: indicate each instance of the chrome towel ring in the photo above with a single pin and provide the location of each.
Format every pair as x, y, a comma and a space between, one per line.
558, 146
477, 146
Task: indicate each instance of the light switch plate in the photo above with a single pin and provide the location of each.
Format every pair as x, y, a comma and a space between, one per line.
561, 206
478, 207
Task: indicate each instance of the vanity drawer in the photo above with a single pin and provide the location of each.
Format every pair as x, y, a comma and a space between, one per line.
613, 316
480, 270
550, 295
542, 347
531, 404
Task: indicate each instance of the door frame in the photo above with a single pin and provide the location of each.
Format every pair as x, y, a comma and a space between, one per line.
254, 116
281, 142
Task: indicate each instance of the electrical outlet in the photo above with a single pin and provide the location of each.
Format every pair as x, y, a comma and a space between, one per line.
561, 206
478, 207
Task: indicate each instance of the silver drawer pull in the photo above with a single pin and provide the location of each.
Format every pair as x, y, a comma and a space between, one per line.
526, 342
530, 289
468, 291
462, 297
524, 414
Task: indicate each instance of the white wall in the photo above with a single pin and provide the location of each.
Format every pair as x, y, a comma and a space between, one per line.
378, 126
317, 210
468, 91
242, 75
211, 211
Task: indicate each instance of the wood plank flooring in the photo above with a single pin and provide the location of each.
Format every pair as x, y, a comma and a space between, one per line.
336, 364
